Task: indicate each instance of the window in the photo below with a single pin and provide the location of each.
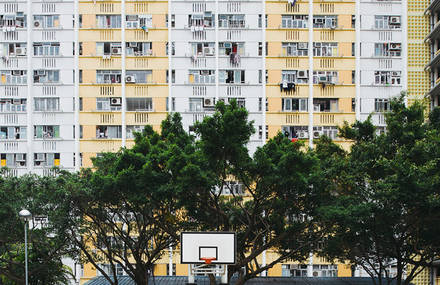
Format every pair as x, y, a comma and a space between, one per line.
46, 49
387, 49
173, 48
47, 159
325, 77
108, 21
295, 21
109, 132
301, 132
387, 22
46, 132
46, 76
140, 76
16, 77
17, 20
231, 21
382, 105
226, 48
201, 76
241, 102
294, 270
173, 76
13, 49
325, 49
294, 104
203, 49
139, 21
325, 22
13, 105
47, 104
195, 104
108, 76
231, 76
139, 48
295, 49
114, 48
13, 159
12, 133
325, 105
133, 129
108, 104
139, 104
387, 77
295, 76
260, 48
46, 21
201, 20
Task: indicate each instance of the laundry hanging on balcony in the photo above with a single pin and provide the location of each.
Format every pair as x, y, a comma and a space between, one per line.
291, 2
234, 58
287, 86
145, 29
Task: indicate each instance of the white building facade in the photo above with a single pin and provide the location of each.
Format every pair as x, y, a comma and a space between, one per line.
36, 87
381, 38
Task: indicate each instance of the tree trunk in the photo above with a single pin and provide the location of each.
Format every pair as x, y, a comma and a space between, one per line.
240, 280
212, 279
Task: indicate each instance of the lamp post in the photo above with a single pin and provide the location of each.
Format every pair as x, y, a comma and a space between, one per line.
26, 216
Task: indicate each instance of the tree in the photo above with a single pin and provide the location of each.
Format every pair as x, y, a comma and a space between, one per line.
278, 208
48, 243
385, 208
126, 210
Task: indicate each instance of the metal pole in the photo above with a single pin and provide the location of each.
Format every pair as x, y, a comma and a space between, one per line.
25, 253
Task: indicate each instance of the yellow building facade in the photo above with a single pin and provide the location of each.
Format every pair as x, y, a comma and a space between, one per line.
122, 69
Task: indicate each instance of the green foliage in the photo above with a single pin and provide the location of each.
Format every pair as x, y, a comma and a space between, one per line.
278, 209
47, 243
386, 202
127, 207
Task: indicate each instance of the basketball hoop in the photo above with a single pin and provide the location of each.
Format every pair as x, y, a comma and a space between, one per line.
208, 260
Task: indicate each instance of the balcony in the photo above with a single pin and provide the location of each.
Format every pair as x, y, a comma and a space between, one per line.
435, 5
435, 61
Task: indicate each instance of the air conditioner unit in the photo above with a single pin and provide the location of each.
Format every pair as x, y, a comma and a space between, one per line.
302, 135
18, 51
208, 102
116, 50
302, 74
302, 45
37, 24
115, 101
130, 79
395, 46
16, 72
16, 101
20, 157
394, 20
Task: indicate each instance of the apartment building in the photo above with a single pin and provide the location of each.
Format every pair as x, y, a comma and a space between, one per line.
432, 34
382, 57
123, 67
36, 87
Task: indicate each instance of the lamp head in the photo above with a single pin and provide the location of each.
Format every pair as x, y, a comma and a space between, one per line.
25, 215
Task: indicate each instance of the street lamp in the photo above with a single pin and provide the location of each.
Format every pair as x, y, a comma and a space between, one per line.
26, 216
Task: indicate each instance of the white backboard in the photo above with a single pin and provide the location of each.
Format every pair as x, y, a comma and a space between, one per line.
197, 245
